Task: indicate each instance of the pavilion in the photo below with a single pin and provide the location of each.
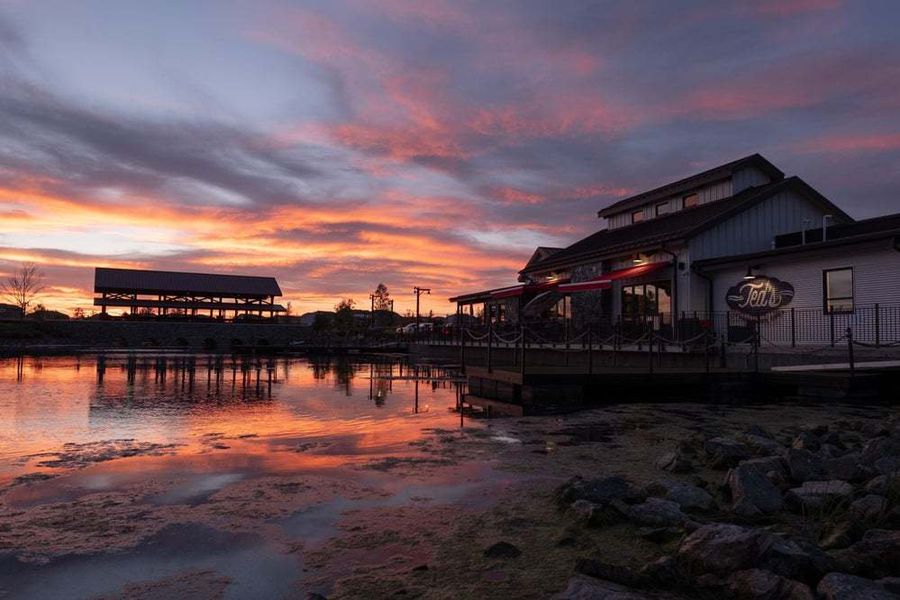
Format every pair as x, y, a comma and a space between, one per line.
175, 293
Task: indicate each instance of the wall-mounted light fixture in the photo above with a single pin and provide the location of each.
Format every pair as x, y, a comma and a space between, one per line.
637, 259
749, 274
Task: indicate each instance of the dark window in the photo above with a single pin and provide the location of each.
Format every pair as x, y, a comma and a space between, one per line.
650, 300
838, 287
637, 216
691, 200
662, 208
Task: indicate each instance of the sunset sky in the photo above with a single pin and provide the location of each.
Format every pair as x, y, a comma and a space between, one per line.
337, 144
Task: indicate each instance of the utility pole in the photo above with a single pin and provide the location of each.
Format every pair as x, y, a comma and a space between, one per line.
418, 292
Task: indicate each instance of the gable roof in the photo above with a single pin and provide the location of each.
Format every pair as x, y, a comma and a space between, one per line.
541, 253
136, 281
677, 226
694, 181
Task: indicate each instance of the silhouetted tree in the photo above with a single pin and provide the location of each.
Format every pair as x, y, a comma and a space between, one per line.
382, 297
23, 286
343, 315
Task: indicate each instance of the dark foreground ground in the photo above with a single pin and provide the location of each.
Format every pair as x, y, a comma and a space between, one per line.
687, 501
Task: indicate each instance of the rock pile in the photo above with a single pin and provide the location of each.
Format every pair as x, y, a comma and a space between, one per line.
807, 513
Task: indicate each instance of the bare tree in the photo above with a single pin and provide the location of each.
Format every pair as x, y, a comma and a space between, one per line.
382, 297
23, 286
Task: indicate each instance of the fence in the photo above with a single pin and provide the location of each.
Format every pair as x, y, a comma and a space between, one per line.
873, 326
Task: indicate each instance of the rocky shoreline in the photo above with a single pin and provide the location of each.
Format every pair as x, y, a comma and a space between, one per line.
802, 513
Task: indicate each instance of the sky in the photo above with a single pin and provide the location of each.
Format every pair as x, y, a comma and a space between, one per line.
342, 143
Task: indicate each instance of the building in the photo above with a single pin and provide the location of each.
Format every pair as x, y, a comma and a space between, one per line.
729, 248
166, 293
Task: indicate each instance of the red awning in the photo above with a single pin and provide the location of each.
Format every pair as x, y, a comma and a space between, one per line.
604, 282
518, 290
509, 292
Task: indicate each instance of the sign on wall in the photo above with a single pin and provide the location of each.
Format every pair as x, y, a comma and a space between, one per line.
760, 295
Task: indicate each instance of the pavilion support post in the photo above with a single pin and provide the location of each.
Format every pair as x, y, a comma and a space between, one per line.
490, 343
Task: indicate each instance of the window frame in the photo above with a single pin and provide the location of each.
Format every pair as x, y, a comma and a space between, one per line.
666, 209
827, 300
695, 196
640, 219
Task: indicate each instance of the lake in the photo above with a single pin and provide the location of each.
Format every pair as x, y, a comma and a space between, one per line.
90, 445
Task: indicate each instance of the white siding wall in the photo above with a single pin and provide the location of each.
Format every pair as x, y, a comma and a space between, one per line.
876, 275
747, 178
753, 230
708, 193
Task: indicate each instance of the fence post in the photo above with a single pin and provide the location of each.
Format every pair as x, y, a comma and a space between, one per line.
515, 351
522, 364
793, 329
650, 351
706, 350
723, 357
590, 342
756, 343
462, 349
490, 344
566, 334
850, 351
831, 315
877, 325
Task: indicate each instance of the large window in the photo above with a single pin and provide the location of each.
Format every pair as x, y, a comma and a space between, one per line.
838, 290
637, 216
662, 208
650, 300
691, 200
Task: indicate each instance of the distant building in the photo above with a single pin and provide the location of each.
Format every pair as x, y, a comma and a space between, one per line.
10, 311
169, 292
735, 244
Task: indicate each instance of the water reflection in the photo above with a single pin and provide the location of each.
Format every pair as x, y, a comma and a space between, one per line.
350, 406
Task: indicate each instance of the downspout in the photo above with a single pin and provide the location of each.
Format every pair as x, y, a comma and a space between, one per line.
674, 291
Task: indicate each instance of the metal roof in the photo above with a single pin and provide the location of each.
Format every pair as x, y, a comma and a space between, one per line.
173, 282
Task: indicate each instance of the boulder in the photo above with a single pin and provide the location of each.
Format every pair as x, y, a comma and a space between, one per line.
587, 588
502, 550
750, 488
723, 548
675, 462
815, 495
807, 440
878, 485
590, 514
656, 512
766, 465
888, 465
725, 452
796, 559
608, 572
598, 491
758, 584
761, 445
879, 448
664, 572
846, 468
877, 554
687, 496
869, 508
803, 465
840, 586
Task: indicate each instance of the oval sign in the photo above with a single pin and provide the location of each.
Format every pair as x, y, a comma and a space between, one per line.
760, 295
